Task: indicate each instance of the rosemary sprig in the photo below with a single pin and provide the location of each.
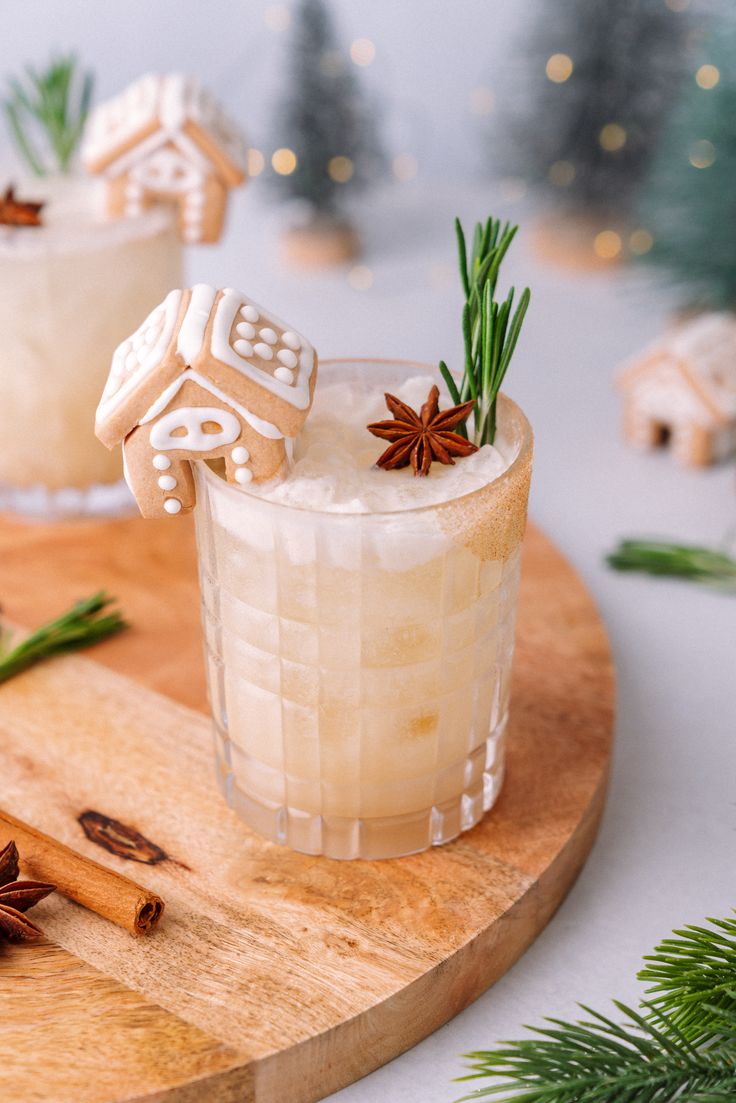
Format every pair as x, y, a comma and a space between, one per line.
705, 565
55, 100
490, 329
680, 1046
86, 623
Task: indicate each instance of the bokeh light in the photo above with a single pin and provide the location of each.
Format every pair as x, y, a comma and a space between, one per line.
702, 154
559, 68
360, 277
256, 162
284, 161
607, 244
561, 173
640, 242
612, 137
362, 51
405, 166
482, 100
707, 76
340, 169
331, 63
277, 17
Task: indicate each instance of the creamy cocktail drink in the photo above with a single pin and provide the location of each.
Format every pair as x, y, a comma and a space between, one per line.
72, 288
358, 597
360, 625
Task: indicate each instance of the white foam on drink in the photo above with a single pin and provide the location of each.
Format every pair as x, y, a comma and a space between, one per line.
334, 457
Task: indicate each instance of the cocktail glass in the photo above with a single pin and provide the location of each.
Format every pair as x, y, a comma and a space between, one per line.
72, 290
359, 663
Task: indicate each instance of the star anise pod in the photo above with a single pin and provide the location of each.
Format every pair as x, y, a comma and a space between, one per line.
16, 897
418, 439
19, 212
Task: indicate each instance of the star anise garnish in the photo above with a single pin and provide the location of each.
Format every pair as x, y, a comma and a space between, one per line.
18, 212
16, 897
418, 439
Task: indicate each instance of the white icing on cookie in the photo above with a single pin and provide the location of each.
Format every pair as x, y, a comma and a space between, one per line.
291, 340
248, 312
243, 475
167, 482
192, 419
264, 351
287, 358
240, 454
268, 335
245, 329
284, 375
243, 348
161, 463
172, 505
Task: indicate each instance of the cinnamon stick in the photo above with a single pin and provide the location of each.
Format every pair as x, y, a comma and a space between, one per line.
90, 884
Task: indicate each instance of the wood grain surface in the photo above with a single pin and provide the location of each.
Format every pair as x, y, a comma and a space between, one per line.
274, 976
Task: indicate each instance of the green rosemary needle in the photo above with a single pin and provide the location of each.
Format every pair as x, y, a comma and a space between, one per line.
87, 622
55, 103
490, 329
704, 565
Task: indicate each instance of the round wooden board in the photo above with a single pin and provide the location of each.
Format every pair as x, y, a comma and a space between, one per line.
274, 976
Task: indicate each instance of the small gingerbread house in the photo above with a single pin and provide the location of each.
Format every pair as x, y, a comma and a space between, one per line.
166, 139
682, 391
208, 375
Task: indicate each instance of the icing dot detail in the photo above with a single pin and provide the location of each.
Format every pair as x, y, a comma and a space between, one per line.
172, 505
249, 313
240, 454
161, 463
291, 340
284, 375
264, 351
243, 348
167, 482
245, 329
243, 475
268, 335
287, 358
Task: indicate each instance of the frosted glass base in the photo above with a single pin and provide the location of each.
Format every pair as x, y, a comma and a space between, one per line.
375, 837
44, 504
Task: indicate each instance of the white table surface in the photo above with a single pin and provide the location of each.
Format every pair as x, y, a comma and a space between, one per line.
666, 851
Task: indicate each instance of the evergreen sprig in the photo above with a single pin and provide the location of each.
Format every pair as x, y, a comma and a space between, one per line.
55, 100
490, 329
680, 1046
87, 622
693, 978
704, 565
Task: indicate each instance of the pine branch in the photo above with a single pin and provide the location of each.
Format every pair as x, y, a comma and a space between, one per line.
85, 624
680, 1047
55, 104
691, 562
694, 978
490, 329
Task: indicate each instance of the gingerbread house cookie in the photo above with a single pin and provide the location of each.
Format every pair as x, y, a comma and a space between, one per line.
208, 375
166, 139
682, 391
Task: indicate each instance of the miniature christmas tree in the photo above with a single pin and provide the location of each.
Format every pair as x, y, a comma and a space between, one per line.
689, 204
600, 80
327, 132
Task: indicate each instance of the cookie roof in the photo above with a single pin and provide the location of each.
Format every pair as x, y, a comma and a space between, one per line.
245, 356
156, 109
705, 351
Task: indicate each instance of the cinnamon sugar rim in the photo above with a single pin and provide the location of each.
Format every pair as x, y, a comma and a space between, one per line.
507, 405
